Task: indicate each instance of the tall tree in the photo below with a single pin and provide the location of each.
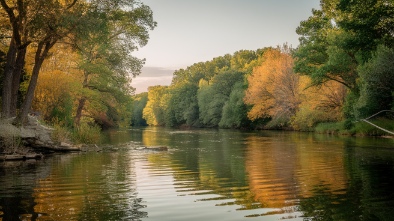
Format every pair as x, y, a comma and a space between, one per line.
105, 43
321, 54
38, 23
16, 16
370, 22
339, 38
376, 83
273, 88
42, 24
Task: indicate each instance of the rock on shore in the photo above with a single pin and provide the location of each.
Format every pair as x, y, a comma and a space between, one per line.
34, 136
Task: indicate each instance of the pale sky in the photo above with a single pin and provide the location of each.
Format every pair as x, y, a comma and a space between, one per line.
192, 31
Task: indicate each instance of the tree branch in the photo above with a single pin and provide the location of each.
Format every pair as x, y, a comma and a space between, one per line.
72, 4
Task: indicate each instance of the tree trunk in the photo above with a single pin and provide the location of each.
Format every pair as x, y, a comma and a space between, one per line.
41, 53
7, 81
78, 115
19, 64
82, 101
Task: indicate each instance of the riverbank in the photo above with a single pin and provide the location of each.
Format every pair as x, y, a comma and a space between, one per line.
358, 128
30, 141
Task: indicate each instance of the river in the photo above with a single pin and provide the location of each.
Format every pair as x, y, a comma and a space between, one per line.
206, 174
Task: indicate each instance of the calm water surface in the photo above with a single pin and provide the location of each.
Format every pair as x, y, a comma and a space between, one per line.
207, 175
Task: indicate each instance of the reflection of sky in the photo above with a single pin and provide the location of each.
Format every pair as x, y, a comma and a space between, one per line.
167, 201
196, 31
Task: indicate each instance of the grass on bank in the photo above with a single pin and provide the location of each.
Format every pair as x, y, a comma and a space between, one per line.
359, 128
82, 134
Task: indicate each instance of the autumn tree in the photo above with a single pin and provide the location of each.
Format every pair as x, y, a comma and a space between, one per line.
319, 104
155, 109
340, 37
273, 88
42, 24
58, 81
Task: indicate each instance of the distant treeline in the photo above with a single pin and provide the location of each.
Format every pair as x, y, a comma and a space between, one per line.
342, 71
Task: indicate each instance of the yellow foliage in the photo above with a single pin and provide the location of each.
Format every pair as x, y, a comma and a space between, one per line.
277, 92
154, 110
328, 96
319, 104
58, 77
273, 87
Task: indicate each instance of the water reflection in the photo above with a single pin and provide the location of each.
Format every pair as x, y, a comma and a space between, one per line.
87, 186
369, 191
293, 175
207, 174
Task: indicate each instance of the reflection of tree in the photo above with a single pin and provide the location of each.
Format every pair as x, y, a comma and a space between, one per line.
369, 192
90, 187
282, 167
17, 181
321, 162
271, 170
205, 162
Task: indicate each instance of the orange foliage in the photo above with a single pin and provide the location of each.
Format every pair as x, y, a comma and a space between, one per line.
328, 97
273, 87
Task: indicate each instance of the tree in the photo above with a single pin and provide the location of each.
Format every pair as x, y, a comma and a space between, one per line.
321, 54
213, 97
139, 103
376, 83
244, 60
56, 86
42, 24
234, 113
339, 38
106, 49
273, 88
323, 103
370, 22
155, 109
182, 105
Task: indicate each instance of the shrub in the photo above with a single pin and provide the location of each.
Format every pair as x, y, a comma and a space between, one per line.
330, 128
60, 133
306, 119
86, 134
